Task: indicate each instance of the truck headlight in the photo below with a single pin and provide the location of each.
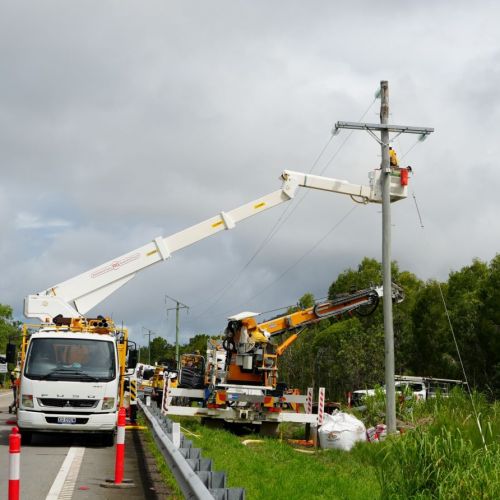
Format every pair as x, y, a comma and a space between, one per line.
108, 403
27, 400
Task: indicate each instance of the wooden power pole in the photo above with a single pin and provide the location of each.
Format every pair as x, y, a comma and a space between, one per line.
178, 306
384, 128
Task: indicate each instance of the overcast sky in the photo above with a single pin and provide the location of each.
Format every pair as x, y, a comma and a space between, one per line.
122, 121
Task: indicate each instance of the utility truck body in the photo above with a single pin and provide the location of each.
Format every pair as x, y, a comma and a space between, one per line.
238, 380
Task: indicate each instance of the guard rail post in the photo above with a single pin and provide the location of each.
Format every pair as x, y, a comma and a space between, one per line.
14, 463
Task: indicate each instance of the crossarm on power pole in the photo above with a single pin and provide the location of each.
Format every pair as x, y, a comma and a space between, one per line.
406, 129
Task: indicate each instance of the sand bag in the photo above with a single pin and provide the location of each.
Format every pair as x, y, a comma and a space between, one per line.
341, 431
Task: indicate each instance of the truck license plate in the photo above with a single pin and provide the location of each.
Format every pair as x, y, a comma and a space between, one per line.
66, 420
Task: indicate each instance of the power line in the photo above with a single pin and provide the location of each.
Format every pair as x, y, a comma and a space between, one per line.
464, 373
302, 257
283, 217
462, 365
328, 163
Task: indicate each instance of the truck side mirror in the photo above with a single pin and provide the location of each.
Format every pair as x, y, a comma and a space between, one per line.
133, 356
11, 354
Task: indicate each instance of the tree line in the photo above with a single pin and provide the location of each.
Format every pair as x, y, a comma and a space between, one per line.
348, 354
439, 327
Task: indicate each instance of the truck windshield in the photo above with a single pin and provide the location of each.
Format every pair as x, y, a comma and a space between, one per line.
70, 359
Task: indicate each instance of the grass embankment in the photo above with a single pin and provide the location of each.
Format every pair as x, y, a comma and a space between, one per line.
273, 469
441, 454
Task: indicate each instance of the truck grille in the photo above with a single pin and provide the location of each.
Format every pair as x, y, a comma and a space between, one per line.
68, 403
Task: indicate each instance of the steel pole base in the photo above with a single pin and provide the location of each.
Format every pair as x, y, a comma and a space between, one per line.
126, 483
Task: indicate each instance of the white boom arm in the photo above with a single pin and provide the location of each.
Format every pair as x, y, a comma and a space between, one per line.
74, 297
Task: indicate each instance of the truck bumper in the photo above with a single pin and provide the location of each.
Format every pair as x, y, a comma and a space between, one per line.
44, 422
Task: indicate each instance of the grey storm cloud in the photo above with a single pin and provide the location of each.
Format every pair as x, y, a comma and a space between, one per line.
123, 121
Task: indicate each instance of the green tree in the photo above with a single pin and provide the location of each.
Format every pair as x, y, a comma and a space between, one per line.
465, 304
402, 321
343, 354
488, 334
196, 343
297, 364
9, 328
161, 350
432, 342
369, 273
349, 356
306, 301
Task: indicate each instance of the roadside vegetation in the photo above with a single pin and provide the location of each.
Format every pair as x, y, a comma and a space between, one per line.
346, 355
9, 328
447, 451
270, 468
9, 331
439, 454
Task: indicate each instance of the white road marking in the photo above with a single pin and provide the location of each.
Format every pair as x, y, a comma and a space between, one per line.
65, 481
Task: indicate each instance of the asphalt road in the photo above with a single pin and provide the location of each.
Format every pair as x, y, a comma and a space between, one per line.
69, 466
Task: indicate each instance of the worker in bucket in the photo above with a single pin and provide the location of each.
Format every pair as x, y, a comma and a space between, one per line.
393, 158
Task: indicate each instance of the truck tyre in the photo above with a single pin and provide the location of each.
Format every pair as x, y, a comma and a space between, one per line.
26, 437
108, 439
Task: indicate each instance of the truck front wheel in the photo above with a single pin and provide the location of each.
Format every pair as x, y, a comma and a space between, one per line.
26, 437
108, 439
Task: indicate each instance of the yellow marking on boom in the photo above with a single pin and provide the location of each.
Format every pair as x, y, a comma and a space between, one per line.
151, 253
260, 205
218, 223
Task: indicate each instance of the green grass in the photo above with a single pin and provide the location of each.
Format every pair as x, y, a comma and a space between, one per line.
162, 466
440, 455
445, 455
273, 469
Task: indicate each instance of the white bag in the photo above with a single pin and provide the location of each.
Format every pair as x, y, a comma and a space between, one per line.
341, 431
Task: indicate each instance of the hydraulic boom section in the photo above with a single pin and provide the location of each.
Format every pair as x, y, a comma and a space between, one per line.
75, 297
251, 356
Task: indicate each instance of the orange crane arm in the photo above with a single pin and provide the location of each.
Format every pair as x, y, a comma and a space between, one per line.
364, 302
286, 344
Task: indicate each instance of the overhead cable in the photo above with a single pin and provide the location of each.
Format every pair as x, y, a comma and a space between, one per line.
285, 215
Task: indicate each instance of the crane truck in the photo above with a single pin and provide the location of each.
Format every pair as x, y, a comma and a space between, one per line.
238, 381
60, 393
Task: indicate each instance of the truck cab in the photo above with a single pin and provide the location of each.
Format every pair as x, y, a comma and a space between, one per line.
70, 382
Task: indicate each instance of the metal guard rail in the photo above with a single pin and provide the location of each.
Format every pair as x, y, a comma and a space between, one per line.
193, 473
